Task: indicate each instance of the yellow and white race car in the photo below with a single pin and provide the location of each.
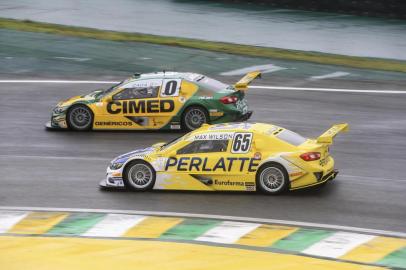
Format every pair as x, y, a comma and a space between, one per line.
161, 100
230, 157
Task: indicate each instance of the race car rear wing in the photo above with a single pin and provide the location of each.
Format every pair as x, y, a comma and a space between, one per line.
328, 135
242, 84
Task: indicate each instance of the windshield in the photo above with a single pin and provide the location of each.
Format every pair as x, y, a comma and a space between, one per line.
211, 84
112, 88
291, 137
170, 143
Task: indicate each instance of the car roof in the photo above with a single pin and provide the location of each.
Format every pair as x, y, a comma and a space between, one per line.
168, 74
266, 129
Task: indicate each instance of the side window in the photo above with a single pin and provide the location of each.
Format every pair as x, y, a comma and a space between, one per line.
205, 146
137, 93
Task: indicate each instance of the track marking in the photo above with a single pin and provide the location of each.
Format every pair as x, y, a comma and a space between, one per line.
327, 89
9, 218
77, 59
55, 157
330, 75
58, 81
337, 244
218, 217
114, 225
227, 232
288, 88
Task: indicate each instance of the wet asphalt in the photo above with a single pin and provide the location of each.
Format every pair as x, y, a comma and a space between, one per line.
62, 169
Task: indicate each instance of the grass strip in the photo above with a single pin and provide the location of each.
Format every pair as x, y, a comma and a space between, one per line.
223, 47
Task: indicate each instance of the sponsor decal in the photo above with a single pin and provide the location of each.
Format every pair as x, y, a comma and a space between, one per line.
233, 183
140, 106
198, 164
177, 126
212, 136
113, 123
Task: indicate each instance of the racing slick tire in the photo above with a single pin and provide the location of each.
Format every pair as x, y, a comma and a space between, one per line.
80, 118
272, 178
138, 175
193, 117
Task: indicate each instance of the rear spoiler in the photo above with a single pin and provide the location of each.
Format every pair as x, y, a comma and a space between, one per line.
328, 135
242, 84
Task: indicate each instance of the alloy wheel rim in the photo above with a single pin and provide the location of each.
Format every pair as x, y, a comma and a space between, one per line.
195, 118
140, 175
272, 179
80, 117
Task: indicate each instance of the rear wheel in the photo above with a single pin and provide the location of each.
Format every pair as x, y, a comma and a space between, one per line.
194, 117
272, 178
80, 118
139, 175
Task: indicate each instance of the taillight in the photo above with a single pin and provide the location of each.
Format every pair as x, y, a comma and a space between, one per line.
310, 156
229, 99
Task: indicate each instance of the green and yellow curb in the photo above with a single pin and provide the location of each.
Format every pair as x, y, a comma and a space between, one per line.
326, 245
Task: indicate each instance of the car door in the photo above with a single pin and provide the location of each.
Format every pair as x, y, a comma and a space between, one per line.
221, 160
135, 106
175, 92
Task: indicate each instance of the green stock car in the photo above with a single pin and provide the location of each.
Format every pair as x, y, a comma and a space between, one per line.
162, 100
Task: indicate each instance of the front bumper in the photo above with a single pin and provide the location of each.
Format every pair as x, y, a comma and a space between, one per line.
112, 182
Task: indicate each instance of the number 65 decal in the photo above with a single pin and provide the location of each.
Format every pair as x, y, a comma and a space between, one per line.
170, 88
241, 143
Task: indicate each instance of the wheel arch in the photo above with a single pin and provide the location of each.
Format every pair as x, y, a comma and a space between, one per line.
73, 105
273, 162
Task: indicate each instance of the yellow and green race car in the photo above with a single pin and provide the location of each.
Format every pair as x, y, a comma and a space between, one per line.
230, 157
162, 100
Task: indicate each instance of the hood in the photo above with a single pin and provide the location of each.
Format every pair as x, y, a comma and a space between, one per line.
87, 99
138, 152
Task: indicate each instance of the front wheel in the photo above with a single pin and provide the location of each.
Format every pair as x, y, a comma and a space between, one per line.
194, 117
80, 118
272, 178
139, 175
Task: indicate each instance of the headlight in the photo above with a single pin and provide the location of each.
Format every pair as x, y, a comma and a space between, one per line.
116, 165
60, 109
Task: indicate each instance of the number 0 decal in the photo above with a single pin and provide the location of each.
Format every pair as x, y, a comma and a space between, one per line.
170, 88
241, 143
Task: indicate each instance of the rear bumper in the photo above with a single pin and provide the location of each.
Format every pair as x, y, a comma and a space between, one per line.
321, 179
245, 117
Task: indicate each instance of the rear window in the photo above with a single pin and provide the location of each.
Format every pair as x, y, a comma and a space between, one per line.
210, 84
291, 137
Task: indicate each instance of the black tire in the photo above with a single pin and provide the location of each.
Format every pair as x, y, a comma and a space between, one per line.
131, 171
190, 117
80, 118
272, 178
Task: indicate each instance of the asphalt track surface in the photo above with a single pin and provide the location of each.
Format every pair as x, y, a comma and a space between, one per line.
62, 169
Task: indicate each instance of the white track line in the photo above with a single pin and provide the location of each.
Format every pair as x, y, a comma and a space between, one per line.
220, 217
57, 81
54, 157
287, 88
327, 89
